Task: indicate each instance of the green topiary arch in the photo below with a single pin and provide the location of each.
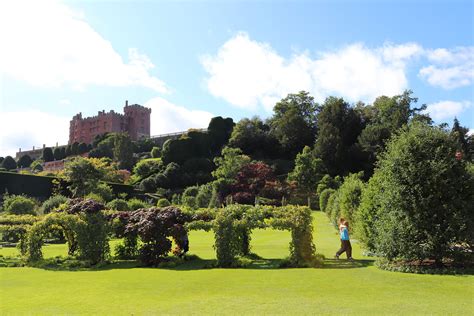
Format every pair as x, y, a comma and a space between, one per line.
84, 226
31, 246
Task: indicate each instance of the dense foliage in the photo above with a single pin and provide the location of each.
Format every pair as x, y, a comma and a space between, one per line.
155, 226
84, 226
419, 204
19, 205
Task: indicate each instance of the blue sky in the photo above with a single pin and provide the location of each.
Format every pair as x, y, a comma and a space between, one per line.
191, 60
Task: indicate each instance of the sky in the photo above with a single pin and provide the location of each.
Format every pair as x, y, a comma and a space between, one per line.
192, 60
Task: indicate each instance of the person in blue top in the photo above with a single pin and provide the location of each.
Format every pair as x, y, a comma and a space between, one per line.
345, 241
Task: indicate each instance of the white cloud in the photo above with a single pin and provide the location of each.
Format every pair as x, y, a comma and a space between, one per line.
450, 68
167, 117
444, 110
27, 128
247, 73
48, 44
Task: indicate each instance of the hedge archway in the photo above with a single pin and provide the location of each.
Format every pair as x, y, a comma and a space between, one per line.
31, 246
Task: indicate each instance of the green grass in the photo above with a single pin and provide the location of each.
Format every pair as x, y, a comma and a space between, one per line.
337, 288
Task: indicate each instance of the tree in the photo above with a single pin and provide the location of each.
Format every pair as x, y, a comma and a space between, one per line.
250, 181
463, 142
82, 148
294, 122
68, 151
421, 199
9, 163
219, 131
146, 167
339, 127
75, 148
143, 145
156, 152
229, 164
308, 171
58, 153
123, 151
47, 154
82, 175
254, 138
384, 118
24, 161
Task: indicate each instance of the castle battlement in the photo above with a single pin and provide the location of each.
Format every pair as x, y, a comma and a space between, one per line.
135, 121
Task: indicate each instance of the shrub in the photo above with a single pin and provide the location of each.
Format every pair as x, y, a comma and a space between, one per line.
118, 205
324, 198
191, 191
84, 226
349, 196
14, 227
19, 205
8, 163
332, 208
95, 197
424, 201
154, 226
52, 203
163, 203
203, 198
135, 204
189, 201
104, 191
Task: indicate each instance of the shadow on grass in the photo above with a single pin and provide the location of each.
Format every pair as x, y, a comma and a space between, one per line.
188, 263
346, 264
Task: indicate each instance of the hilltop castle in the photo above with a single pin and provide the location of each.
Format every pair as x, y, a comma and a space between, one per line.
135, 121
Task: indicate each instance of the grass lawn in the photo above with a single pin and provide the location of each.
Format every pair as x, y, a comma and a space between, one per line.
339, 287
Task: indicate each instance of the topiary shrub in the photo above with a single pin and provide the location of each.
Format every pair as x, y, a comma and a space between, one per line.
19, 205
422, 200
52, 203
349, 194
135, 204
324, 198
118, 205
84, 226
14, 227
163, 203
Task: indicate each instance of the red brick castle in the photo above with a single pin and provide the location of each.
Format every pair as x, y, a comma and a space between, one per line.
135, 121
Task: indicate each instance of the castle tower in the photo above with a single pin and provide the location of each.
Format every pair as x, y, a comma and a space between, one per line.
138, 119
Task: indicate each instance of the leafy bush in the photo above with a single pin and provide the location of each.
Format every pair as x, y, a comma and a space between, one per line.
135, 204
423, 204
19, 205
52, 203
14, 227
332, 208
104, 191
203, 198
189, 201
118, 205
154, 226
163, 203
349, 196
324, 198
84, 226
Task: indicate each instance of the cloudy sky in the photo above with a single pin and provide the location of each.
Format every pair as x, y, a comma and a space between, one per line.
191, 60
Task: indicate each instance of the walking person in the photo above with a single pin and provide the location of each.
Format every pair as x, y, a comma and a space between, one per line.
345, 240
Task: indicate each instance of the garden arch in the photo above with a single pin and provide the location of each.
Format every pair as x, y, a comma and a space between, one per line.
233, 225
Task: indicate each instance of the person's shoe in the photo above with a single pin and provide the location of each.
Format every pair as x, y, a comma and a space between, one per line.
336, 257
350, 259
